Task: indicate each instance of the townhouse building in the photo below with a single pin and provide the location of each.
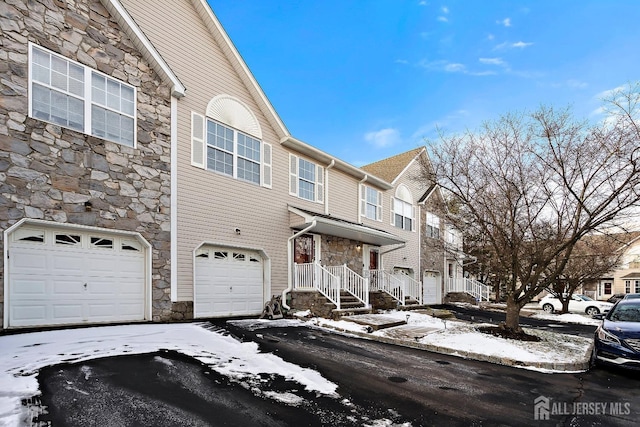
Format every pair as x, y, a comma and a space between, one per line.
147, 177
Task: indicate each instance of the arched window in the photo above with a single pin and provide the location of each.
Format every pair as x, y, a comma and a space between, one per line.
403, 212
228, 140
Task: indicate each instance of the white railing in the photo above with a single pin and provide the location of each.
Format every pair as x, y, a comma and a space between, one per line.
478, 290
312, 276
412, 288
380, 280
352, 282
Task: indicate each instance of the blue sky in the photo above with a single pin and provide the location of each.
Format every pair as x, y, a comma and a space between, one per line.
364, 80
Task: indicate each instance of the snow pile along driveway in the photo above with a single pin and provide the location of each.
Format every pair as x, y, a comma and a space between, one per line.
22, 355
553, 353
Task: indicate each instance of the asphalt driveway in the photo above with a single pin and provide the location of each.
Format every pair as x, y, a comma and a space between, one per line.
378, 385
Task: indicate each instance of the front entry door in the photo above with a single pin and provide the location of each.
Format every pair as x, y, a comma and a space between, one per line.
304, 249
374, 258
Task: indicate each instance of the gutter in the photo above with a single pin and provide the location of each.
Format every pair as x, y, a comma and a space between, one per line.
290, 264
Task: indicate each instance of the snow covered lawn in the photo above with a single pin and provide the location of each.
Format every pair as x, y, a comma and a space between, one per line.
462, 337
22, 355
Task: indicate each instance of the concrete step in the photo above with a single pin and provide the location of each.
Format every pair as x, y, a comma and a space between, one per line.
375, 321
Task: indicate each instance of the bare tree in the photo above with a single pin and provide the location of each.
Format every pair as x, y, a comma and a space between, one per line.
535, 184
592, 258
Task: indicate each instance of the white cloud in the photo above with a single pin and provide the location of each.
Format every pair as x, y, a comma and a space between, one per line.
506, 22
492, 61
401, 61
521, 44
576, 84
423, 3
509, 45
491, 37
383, 138
454, 68
443, 19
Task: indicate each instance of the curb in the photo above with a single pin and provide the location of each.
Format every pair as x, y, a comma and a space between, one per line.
559, 367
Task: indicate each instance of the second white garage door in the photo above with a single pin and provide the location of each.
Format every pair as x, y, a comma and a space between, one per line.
228, 282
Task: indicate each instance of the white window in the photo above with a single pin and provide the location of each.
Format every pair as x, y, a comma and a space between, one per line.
433, 226
403, 212
306, 179
229, 151
370, 203
453, 236
77, 97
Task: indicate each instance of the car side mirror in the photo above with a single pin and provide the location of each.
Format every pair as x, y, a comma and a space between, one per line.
599, 316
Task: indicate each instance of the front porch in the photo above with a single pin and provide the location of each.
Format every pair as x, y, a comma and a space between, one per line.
346, 291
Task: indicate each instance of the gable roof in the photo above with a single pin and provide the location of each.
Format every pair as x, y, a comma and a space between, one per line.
228, 48
142, 43
390, 168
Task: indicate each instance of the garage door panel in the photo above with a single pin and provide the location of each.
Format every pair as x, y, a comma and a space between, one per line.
29, 288
65, 312
35, 263
47, 280
22, 312
65, 287
228, 286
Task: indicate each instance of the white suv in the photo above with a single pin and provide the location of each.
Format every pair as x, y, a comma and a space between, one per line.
577, 304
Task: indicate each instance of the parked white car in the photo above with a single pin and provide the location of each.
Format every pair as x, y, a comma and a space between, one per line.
577, 304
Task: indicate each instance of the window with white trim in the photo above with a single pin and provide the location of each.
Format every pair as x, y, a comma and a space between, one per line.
370, 203
453, 236
433, 226
77, 97
306, 179
403, 212
223, 149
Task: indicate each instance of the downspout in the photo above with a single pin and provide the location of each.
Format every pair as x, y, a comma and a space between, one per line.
360, 195
290, 264
326, 186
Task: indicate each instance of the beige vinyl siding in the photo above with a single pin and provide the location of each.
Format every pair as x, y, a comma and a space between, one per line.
210, 205
343, 196
409, 256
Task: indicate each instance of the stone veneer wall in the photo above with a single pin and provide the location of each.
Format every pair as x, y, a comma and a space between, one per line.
339, 251
56, 174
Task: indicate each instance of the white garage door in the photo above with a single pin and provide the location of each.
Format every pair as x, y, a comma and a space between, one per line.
228, 282
64, 276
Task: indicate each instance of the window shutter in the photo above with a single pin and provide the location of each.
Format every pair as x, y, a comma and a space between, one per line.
197, 140
266, 165
393, 214
379, 213
293, 175
319, 184
363, 200
413, 218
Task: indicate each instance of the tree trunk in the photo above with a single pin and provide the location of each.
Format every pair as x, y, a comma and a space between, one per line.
565, 305
512, 322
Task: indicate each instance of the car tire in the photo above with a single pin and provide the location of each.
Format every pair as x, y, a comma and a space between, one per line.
548, 308
592, 310
593, 360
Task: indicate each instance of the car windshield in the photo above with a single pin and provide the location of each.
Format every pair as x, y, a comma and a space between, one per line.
584, 297
626, 313
632, 296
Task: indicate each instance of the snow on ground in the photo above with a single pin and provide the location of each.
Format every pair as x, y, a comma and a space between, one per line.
22, 355
463, 337
581, 319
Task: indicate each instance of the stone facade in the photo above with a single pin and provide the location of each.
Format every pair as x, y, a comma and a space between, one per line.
55, 174
339, 251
